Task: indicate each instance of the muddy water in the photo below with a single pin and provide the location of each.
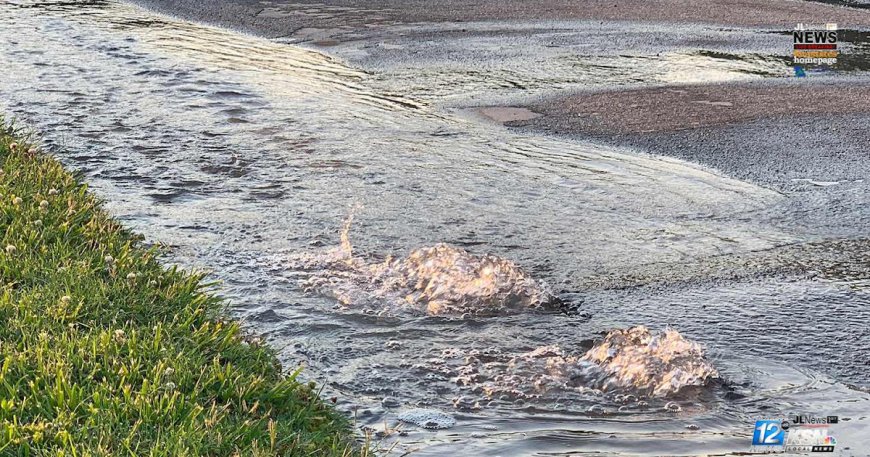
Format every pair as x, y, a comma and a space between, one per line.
241, 153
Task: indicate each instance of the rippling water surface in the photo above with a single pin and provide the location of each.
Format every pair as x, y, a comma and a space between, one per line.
243, 154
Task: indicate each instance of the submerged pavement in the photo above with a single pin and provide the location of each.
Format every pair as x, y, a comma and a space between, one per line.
786, 134
713, 85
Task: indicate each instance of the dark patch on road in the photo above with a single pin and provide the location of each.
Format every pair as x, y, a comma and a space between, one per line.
673, 108
852, 3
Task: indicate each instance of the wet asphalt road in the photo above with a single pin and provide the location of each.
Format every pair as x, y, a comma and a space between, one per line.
820, 160
789, 135
353, 19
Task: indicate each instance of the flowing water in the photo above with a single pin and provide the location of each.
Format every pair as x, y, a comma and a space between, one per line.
244, 156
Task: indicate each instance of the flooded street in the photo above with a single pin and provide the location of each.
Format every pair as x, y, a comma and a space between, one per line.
242, 154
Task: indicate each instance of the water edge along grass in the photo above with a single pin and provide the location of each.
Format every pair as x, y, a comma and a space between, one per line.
105, 351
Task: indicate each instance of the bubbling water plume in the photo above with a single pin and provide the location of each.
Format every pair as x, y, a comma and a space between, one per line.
627, 363
657, 364
439, 280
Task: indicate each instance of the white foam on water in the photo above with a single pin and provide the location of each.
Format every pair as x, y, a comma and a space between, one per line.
427, 418
440, 279
632, 361
657, 364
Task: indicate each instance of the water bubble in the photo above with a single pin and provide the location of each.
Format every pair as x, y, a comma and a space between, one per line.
595, 409
466, 403
625, 398
673, 407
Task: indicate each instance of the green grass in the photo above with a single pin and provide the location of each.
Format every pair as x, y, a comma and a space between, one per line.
104, 351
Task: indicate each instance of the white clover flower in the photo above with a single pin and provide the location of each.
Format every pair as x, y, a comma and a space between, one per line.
131, 275
152, 283
10, 249
65, 299
52, 191
109, 259
170, 386
120, 336
17, 200
169, 371
43, 204
38, 222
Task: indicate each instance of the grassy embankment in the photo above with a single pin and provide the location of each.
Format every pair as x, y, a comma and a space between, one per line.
104, 351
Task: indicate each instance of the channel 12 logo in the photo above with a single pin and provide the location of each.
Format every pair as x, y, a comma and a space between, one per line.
768, 433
